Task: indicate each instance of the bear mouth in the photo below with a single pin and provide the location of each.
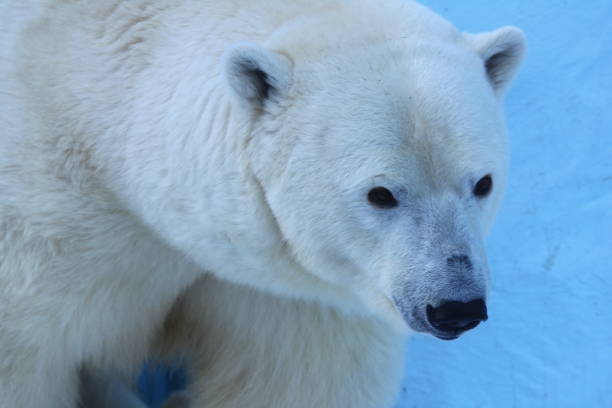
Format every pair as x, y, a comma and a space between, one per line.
419, 323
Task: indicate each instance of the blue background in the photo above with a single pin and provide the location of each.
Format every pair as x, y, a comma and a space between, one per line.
548, 342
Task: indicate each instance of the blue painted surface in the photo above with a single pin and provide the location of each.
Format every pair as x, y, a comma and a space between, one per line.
548, 342
157, 382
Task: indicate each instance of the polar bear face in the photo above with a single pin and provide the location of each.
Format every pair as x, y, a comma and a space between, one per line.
384, 166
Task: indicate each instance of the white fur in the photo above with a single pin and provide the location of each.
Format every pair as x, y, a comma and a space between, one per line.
140, 160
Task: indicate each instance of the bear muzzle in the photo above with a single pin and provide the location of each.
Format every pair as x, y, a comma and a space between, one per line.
445, 301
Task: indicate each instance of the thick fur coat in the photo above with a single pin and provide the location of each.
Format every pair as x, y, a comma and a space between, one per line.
192, 179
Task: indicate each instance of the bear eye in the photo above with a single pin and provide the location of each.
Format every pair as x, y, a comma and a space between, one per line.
484, 186
382, 198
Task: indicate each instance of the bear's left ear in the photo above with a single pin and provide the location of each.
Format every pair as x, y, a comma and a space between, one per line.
502, 51
256, 74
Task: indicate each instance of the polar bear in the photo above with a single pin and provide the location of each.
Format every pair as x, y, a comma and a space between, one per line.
275, 192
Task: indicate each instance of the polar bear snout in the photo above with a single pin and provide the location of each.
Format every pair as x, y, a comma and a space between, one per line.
445, 299
452, 318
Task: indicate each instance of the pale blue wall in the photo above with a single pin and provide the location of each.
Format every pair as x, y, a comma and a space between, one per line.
548, 342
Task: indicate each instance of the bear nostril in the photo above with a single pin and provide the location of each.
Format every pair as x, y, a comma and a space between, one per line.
453, 316
459, 261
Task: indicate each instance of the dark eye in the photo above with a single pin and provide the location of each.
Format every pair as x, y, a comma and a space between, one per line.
382, 198
484, 186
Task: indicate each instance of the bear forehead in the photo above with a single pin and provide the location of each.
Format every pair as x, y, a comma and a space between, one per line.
417, 94
336, 26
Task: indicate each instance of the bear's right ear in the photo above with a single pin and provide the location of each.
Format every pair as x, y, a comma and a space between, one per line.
255, 73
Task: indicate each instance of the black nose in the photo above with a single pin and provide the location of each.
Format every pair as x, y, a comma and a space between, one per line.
456, 317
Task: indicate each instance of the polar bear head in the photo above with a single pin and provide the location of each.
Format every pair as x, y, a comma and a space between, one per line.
382, 154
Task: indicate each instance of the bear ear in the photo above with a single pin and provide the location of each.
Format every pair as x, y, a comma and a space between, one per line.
502, 51
256, 74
